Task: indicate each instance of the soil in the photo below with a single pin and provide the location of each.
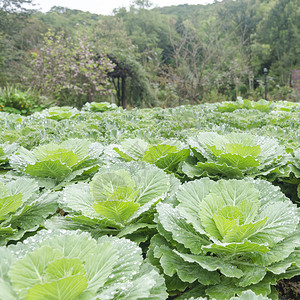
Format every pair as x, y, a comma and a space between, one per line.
289, 289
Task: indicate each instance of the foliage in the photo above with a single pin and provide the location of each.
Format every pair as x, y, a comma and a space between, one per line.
60, 112
166, 156
99, 107
119, 200
229, 236
6, 150
14, 100
58, 162
72, 265
123, 173
235, 155
66, 64
22, 208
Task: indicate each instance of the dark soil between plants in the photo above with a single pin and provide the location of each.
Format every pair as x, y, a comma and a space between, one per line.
289, 289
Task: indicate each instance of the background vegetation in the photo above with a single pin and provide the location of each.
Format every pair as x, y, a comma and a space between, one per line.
147, 57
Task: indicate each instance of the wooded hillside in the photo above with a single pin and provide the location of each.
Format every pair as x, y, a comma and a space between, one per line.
146, 56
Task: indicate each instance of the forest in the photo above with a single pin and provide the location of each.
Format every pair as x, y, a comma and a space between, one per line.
145, 56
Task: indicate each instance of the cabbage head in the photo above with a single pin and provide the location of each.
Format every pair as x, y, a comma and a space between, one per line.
236, 155
71, 265
120, 199
23, 208
59, 162
228, 236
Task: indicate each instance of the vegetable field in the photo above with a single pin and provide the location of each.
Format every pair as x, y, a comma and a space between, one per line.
193, 202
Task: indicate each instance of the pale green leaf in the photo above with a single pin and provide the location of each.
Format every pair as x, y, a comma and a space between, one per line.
236, 248
238, 233
190, 195
242, 150
63, 267
172, 263
152, 183
171, 160
66, 288
238, 161
155, 152
9, 204
249, 295
207, 208
28, 271
107, 185
25, 186
120, 211
212, 263
279, 252
99, 265
79, 146
234, 191
50, 168
218, 169
182, 232
282, 220
134, 148
6, 291
78, 198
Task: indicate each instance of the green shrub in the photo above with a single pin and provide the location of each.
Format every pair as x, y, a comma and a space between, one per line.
14, 100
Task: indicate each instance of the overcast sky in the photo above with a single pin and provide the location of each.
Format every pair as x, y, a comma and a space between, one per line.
105, 7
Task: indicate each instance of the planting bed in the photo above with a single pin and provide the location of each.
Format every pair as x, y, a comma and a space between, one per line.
193, 202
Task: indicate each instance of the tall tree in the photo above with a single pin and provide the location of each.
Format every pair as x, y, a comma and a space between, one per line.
70, 64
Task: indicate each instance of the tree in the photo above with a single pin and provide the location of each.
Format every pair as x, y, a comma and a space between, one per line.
138, 88
66, 64
13, 18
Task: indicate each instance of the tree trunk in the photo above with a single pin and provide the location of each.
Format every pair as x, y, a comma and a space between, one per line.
118, 92
124, 104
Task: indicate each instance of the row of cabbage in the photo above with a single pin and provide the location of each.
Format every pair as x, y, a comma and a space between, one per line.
203, 208
153, 125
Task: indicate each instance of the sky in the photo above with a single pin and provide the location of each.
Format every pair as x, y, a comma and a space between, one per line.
105, 7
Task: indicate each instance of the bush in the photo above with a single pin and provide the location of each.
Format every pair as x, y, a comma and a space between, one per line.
14, 100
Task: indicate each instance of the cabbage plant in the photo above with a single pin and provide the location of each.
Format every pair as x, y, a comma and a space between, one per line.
59, 162
99, 106
235, 155
22, 208
226, 237
71, 265
120, 199
166, 155
60, 113
6, 150
261, 105
246, 295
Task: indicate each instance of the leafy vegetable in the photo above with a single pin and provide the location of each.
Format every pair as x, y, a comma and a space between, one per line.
60, 162
6, 150
60, 113
120, 199
99, 106
72, 265
261, 105
166, 156
22, 208
246, 230
236, 155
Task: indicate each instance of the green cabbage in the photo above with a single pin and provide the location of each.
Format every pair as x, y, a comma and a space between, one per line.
60, 162
120, 199
71, 265
22, 208
229, 236
166, 155
235, 155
